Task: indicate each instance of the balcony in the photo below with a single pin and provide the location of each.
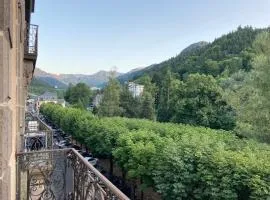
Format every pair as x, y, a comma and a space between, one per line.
61, 174
57, 174
31, 42
36, 138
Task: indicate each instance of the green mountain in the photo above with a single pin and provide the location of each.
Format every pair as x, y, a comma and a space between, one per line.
63, 80
189, 88
97, 79
53, 82
193, 47
225, 55
39, 86
49, 79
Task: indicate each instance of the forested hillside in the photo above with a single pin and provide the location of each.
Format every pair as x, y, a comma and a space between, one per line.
208, 84
53, 82
39, 86
227, 54
199, 86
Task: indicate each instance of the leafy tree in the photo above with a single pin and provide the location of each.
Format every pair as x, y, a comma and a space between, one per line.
134, 152
253, 99
149, 86
202, 104
147, 106
197, 100
110, 103
129, 104
165, 94
79, 105
79, 95
211, 67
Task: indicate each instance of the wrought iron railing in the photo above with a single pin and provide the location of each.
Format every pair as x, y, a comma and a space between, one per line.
61, 175
36, 140
31, 41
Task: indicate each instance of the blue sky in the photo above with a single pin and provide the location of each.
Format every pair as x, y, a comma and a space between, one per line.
85, 36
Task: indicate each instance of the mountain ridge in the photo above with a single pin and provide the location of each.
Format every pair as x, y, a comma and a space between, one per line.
93, 80
226, 54
200, 57
140, 71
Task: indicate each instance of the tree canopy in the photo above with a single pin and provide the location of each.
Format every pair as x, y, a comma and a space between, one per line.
78, 95
110, 103
178, 161
250, 96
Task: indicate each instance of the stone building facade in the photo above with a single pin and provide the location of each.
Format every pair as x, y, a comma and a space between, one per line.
17, 62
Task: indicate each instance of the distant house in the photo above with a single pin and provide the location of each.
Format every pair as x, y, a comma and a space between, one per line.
135, 89
97, 99
62, 102
95, 88
49, 97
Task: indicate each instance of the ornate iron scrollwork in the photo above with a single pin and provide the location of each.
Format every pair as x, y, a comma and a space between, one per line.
42, 174
39, 139
61, 175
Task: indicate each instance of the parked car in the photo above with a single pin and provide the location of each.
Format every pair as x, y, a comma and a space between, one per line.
63, 144
55, 134
86, 154
68, 145
76, 147
63, 134
93, 161
67, 137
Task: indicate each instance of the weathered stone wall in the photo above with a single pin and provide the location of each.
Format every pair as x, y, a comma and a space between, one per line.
12, 91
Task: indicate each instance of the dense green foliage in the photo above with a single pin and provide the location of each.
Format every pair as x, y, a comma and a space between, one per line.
226, 54
147, 106
193, 87
130, 106
78, 95
221, 85
196, 100
249, 93
187, 88
110, 103
179, 161
117, 100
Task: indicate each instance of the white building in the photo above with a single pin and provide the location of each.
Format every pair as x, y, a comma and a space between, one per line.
97, 99
95, 88
135, 89
49, 97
